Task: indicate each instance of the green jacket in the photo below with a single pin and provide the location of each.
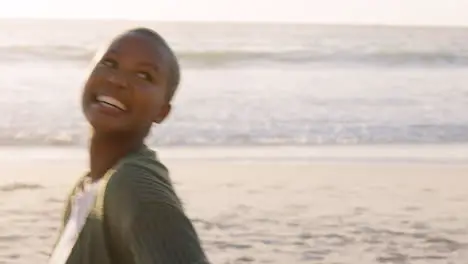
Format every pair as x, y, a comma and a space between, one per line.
137, 218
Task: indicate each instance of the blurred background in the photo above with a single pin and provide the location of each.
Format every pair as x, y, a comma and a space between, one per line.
303, 132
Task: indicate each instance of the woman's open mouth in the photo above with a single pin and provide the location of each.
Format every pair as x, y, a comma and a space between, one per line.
108, 101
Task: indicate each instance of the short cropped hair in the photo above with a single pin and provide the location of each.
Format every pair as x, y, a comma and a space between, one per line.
173, 64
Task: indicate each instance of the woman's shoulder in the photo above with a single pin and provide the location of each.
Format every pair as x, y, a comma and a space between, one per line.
145, 160
142, 178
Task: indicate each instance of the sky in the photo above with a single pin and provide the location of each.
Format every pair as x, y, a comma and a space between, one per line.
392, 12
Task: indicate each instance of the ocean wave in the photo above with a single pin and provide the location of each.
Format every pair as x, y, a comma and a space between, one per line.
299, 136
234, 57
59, 52
19, 186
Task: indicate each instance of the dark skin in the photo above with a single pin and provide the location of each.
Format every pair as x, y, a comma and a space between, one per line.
124, 95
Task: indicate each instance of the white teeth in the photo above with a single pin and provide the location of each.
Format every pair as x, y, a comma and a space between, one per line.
111, 101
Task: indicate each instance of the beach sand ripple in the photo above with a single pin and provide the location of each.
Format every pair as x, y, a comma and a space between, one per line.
274, 212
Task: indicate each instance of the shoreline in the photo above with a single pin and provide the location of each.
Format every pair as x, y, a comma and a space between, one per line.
438, 154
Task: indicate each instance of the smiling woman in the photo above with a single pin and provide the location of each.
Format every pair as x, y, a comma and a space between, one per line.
154, 79
125, 209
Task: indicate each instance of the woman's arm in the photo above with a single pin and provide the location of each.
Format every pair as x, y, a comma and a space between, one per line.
145, 215
163, 234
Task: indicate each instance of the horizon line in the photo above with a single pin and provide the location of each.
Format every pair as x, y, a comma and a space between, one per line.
317, 23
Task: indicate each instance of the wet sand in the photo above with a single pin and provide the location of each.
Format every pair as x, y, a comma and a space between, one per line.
270, 211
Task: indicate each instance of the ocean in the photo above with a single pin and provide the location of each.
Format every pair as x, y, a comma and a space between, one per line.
250, 84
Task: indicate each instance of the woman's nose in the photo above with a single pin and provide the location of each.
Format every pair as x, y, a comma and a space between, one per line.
118, 79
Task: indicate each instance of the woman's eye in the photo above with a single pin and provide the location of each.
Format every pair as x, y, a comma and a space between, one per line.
109, 62
145, 75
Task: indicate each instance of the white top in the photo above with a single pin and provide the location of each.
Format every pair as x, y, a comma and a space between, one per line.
80, 207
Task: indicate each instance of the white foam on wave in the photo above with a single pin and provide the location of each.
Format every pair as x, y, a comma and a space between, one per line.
369, 153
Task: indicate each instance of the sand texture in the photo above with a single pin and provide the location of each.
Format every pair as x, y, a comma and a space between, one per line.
271, 212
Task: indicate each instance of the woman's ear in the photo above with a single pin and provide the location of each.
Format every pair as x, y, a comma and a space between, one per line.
162, 114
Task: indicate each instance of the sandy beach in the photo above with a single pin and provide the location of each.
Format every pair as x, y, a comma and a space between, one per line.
265, 210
